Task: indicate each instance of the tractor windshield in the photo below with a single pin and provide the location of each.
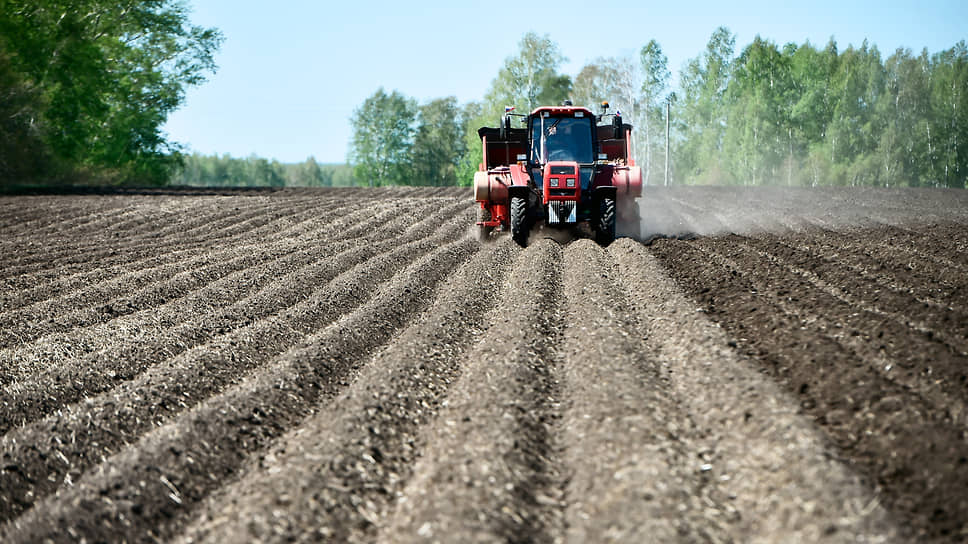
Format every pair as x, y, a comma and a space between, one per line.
562, 139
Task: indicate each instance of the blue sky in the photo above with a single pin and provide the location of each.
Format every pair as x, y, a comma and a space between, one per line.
291, 73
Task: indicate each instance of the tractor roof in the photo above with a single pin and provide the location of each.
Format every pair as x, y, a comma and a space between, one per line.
562, 110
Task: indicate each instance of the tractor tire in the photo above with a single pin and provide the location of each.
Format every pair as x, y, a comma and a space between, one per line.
605, 221
483, 233
519, 220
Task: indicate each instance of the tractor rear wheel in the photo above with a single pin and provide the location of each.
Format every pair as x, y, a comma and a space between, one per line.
519, 220
483, 232
605, 222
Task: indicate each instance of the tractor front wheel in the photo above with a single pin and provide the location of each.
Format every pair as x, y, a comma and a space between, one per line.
605, 222
519, 220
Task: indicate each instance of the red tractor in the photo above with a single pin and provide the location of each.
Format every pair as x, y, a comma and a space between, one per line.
564, 168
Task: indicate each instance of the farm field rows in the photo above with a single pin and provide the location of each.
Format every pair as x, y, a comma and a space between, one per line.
768, 365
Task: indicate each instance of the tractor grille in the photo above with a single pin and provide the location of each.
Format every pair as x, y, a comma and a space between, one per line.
561, 211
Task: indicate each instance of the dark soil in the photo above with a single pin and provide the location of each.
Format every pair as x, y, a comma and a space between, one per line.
770, 365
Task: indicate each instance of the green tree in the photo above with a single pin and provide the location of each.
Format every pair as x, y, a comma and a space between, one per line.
701, 112
759, 105
589, 88
438, 144
307, 174
109, 76
383, 133
526, 80
655, 84
472, 118
855, 85
23, 155
530, 78
949, 103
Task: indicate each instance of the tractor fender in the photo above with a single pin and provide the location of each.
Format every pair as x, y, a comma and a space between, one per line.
491, 187
522, 191
627, 180
607, 191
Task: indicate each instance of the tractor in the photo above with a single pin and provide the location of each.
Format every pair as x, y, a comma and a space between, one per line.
565, 166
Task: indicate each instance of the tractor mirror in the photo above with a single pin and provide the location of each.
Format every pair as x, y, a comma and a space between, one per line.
506, 127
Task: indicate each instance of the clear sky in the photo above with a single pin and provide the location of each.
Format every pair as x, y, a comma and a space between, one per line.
291, 73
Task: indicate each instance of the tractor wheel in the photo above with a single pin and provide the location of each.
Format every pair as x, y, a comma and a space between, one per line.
605, 222
519, 220
483, 233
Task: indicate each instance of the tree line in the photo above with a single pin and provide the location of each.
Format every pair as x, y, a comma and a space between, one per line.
85, 86
802, 115
794, 115
227, 171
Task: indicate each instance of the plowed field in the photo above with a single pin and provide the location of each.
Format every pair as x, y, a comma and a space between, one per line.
353, 365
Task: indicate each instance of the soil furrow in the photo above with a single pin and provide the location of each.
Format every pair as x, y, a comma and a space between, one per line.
111, 242
110, 245
884, 343
153, 213
128, 295
338, 472
859, 287
340, 229
95, 208
143, 340
490, 471
53, 375
117, 320
742, 424
37, 212
945, 242
116, 247
141, 290
872, 421
185, 460
150, 222
632, 477
206, 217
349, 364
33, 289
867, 253
128, 410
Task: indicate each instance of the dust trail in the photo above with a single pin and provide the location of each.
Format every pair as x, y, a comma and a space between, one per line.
686, 212
541, 231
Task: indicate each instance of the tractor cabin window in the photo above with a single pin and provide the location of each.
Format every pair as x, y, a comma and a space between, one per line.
562, 139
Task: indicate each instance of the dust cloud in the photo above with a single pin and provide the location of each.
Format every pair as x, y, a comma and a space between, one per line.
686, 212
693, 211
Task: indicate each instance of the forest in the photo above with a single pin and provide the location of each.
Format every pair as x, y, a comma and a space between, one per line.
253, 171
85, 88
770, 115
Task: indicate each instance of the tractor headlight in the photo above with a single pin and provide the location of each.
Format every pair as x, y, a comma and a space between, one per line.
554, 182
570, 182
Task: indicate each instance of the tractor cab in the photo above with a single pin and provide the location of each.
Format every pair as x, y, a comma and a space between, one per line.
564, 136
562, 143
